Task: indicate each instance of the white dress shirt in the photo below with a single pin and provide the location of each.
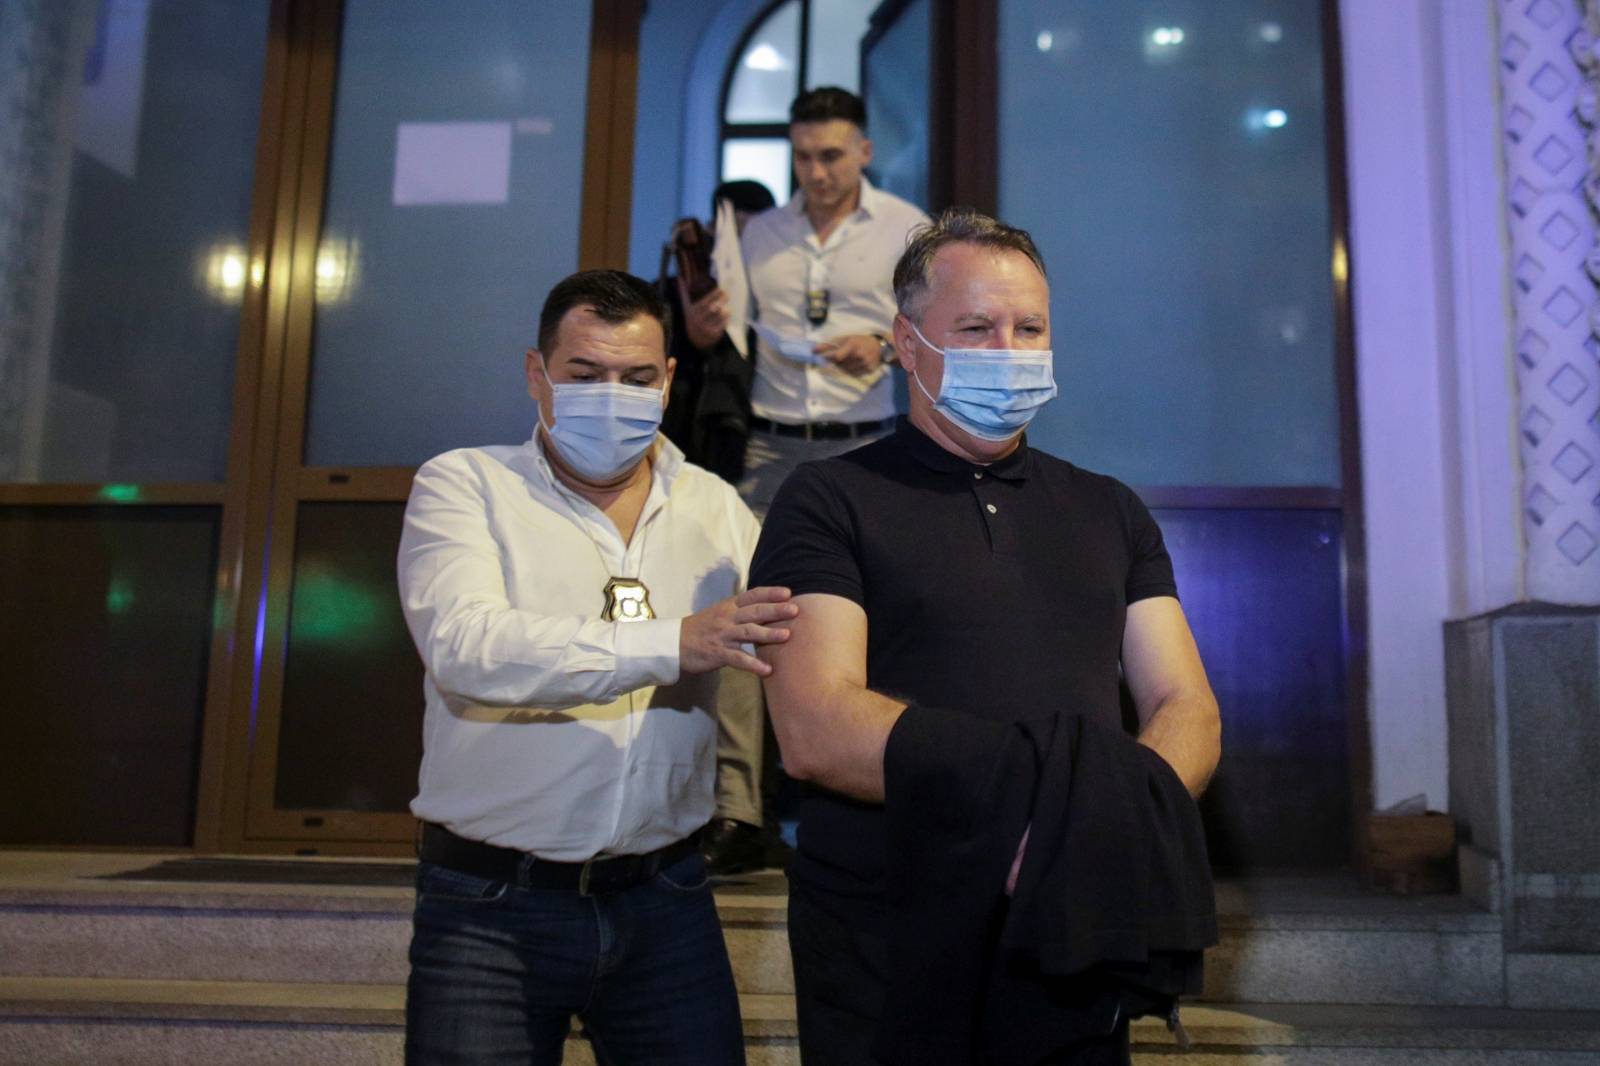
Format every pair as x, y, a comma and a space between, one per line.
548, 730
856, 266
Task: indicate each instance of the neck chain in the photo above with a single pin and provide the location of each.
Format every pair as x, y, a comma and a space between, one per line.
627, 599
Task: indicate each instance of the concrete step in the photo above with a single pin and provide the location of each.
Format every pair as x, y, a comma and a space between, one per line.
1283, 941
139, 1022
144, 1022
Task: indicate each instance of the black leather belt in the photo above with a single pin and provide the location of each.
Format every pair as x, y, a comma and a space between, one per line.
821, 430
598, 875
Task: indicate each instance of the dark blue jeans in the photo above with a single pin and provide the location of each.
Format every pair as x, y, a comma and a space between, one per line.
498, 971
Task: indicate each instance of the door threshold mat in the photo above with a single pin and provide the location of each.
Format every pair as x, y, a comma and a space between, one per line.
274, 872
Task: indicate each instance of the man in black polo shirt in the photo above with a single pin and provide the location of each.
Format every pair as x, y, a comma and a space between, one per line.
953, 566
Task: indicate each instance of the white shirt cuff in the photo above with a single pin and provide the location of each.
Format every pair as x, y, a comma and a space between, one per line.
647, 652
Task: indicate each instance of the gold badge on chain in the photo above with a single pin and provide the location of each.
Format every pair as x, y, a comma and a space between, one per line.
627, 600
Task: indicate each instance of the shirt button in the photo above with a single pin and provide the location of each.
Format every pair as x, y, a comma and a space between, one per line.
977, 475
993, 509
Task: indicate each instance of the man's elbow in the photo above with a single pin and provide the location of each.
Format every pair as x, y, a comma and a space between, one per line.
803, 758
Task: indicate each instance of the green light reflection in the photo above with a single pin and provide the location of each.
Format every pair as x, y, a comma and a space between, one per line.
328, 608
119, 595
121, 493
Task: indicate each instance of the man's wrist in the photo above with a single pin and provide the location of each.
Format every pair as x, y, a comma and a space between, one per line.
885, 348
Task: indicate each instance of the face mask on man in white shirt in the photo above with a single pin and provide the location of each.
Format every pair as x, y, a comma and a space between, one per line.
603, 428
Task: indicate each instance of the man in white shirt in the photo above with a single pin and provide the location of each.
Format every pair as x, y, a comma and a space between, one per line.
820, 279
820, 270
572, 600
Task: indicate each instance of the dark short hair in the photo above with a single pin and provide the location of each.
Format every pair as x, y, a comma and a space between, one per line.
615, 296
745, 195
828, 102
913, 275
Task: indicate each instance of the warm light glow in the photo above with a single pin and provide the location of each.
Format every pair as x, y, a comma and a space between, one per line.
1341, 263
232, 272
336, 268
764, 57
224, 270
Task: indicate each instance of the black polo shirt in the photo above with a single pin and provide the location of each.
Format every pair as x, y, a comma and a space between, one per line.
998, 590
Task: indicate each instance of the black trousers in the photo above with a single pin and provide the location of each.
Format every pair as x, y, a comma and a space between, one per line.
839, 976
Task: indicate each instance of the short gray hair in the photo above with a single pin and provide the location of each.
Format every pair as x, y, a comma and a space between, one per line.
913, 275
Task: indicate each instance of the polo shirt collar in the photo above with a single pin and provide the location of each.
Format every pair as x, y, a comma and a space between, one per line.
925, 450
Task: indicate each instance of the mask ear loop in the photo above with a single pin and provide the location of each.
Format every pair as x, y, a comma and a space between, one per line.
544, 370
918, 377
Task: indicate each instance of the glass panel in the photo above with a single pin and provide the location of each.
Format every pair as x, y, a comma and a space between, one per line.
452, 208
766, 79
899, 71
1263, 593
1170, 160
103, 651
351, 733
128, 131
765, 159
833, 54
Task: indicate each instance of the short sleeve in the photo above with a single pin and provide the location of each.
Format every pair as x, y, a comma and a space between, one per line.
808, 542
1149, 565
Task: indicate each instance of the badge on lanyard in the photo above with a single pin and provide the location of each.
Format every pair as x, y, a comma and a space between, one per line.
816, 291
627, 600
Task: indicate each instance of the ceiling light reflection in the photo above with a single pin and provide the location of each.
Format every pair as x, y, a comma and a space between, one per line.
764, 57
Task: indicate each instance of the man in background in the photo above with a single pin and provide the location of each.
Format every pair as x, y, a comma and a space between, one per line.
823, 312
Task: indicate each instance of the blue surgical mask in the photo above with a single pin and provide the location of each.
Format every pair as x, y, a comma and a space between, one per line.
601, 428
992, 393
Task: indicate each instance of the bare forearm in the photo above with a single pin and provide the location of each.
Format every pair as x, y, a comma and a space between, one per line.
1186, 731
835, 739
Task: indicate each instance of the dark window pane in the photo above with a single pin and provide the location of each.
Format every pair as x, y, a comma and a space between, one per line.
1263, 594
452, 207
351, 733
129, 135
103, 645
898, 78
1171, 161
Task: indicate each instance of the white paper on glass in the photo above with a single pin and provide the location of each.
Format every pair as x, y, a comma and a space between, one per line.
727, 263
452, 163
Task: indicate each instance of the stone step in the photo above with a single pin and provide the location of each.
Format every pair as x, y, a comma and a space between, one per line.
138, 1022
1283, 940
